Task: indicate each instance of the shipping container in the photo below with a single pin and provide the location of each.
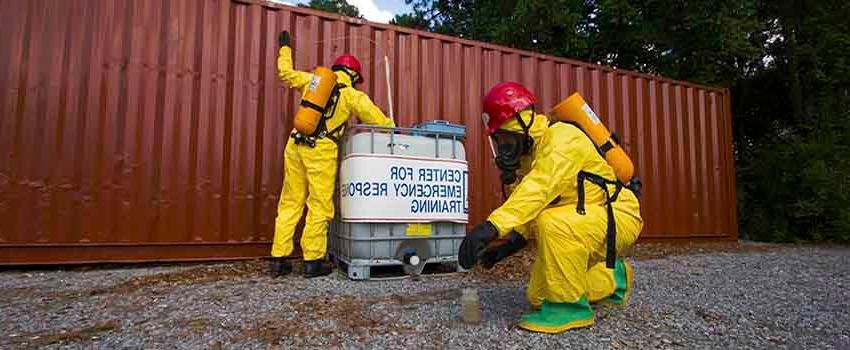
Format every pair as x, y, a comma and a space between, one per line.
154, 130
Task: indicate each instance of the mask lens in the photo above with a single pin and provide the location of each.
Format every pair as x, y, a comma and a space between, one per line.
506, 138
508, 144
508, 152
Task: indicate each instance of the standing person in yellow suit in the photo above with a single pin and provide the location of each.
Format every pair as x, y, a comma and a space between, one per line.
569, 271
310, 165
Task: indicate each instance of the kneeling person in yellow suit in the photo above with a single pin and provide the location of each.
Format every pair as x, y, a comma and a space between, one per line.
569, 270
310, 165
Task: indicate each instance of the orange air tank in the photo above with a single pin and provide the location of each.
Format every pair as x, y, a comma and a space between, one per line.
575, 110
315, 100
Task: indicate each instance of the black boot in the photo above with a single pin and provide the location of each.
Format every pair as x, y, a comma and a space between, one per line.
316, 268
279, 267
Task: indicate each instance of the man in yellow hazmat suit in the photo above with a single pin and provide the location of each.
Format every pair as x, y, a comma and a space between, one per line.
569, 270
310, 164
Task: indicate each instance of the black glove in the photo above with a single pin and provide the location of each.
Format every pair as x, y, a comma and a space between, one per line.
283, 38
491, 256
475, 242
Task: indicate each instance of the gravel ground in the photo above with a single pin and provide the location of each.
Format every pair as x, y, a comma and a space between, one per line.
722, 297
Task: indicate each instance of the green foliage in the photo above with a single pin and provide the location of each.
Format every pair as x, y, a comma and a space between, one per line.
796, 187
792, 126
786, 61
703, 41
341, 7
410, 21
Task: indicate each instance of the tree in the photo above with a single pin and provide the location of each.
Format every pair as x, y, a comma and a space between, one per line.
793, 125
515, 23
341, 7
707, 42
410, 20
703, 41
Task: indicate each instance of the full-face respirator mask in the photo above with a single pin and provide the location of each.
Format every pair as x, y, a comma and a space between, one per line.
508, 147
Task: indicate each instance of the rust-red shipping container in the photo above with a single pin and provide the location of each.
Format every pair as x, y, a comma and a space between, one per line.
154, 130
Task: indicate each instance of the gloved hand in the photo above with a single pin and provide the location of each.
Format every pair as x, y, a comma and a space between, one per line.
491, 256
475, 242
283, 38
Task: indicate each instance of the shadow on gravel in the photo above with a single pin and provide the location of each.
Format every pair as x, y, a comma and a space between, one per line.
203, 274
41, 339
649, 251
332, 316
196, 275
518, 267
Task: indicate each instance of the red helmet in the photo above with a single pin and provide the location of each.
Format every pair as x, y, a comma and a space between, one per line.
350, 62
503, 101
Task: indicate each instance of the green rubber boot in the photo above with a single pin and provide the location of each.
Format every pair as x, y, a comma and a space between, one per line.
558, 317
623, 277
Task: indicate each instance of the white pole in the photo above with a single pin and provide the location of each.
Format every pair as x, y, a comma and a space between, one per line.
492, 149
389, 86
489, 138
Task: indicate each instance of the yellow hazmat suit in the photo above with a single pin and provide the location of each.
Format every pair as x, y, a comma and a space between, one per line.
569, 268
310, 173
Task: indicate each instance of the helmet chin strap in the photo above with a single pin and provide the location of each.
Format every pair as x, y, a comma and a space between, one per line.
355, 77
528, 141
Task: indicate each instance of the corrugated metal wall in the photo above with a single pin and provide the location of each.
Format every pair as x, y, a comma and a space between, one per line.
154, 129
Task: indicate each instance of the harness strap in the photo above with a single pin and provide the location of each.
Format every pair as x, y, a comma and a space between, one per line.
634, 186
607, 146
322, 129
312, 106
611, 229
327, 112
336, 134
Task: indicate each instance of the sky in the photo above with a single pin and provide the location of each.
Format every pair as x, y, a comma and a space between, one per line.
374, 10
380, 10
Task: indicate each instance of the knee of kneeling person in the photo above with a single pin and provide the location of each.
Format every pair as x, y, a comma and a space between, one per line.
543, 223
552, 223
